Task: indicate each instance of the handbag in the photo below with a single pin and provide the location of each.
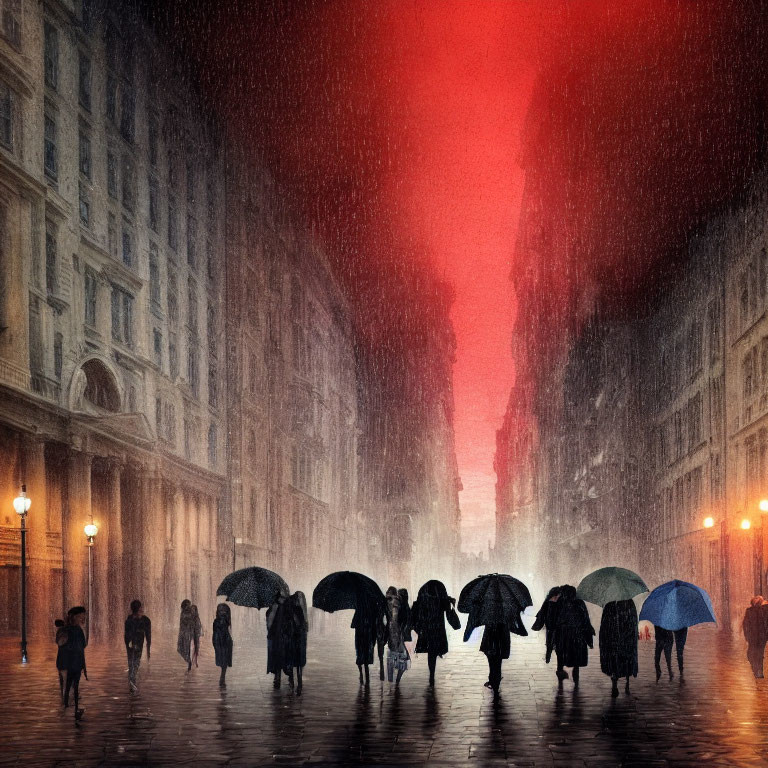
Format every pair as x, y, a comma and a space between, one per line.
453, 619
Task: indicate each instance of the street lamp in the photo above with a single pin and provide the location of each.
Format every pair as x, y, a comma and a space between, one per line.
746, 524
21, 504
90, 531
763, 505
709, 522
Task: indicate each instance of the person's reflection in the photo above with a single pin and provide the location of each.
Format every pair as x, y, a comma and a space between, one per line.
431, 721
361, 728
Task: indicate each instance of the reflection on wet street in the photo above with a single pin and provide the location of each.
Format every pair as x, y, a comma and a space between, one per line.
717, 716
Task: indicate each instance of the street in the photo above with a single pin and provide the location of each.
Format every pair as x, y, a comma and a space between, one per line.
717, 716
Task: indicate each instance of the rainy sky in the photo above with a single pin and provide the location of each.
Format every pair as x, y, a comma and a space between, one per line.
400, 130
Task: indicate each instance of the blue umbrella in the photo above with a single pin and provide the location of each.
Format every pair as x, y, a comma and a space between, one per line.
677, 604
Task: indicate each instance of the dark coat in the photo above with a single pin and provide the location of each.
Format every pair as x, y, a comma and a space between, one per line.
74, 649
573, 630
618, 639
428, 616
366, 625
137, 630
222, 642
546, 618
495, 641
277, 616
295, 637
754, 625
61, 654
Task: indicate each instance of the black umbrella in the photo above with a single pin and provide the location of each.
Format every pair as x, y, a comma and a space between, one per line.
253, 587
494, 599
345, 590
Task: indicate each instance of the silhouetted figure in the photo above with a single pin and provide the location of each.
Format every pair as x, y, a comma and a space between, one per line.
573, 633
366, 622
664, 640
755, 633
190, 629
397, 653
404, 615
295, 629
222, 640
61, 667
495, 645
73, 642
381, 640
276, 616
618, 642
428, 616
546, 619
138, 630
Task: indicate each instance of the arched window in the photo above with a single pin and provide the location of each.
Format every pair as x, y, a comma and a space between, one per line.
100, 387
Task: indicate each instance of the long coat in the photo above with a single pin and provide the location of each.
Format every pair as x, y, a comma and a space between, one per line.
754, 625
495, 641
190, 630
546, 619
618, 639
222, 642
277, 615
366, 624
428, 616
573, 630
295, 636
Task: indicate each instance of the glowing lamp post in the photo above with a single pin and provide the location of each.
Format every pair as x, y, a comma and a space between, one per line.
709, 522
745, 524
763, 505
21, 504
90, 531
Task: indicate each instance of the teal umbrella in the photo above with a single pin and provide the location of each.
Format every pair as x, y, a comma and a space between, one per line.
605, 585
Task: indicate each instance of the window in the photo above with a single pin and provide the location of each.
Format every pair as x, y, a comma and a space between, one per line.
85, 154
212, 440
678, 431
50, 155
694, 349
213, 383
6, 116
127, 247
694, 421
90, 297
128, 186
12, 21
127, 114
209, 260
744, 299
159, 416
713, 320
211, 201
152, 138
253, 375
112, 174
112, 235
112, 45
111, 98
51, 55
84, 81
192, 307
122, 316
157, 347
84, 201
211, 329
193, 367
191, 242
169, 414
173, 232
51, 259
747, 375
188, 438
154, 277
173, 296
58, 355
172, 159
173, 356
154, 211
190, 180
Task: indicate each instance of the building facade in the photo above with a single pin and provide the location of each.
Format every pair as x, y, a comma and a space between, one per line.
111, 354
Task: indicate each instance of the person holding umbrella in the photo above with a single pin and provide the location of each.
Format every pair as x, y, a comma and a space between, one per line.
397, 653
74, 642
673, 607
222, 640
295, 631
546, 619
572, 635
277, 617
428, 614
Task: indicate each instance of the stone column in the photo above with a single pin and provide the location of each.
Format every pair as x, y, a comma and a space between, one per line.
151, 541
108, 557
42, 605
77, 512
180, 546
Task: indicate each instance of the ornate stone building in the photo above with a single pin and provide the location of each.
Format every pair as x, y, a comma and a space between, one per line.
111, 356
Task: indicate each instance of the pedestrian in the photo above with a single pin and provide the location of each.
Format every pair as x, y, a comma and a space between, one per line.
138, 630
573, 634
397, 654
428, 615
664, 640
495, 645
367, 622
61, 667
222, 640
404, 615
190, 629
546, 619
295, 629
73, 642
754, 628
276, 616
618, 642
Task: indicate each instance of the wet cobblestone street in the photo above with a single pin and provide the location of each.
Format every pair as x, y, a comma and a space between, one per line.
719, 716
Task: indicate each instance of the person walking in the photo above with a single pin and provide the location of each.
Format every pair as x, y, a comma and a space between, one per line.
190, 629
546, 619
397, 653
222, 640
367, 622
295, 629
276, 616
664, 639
138, 630
495, 645
61, 667
618, 642
428, 615
573, 634
755, 633
73, 642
